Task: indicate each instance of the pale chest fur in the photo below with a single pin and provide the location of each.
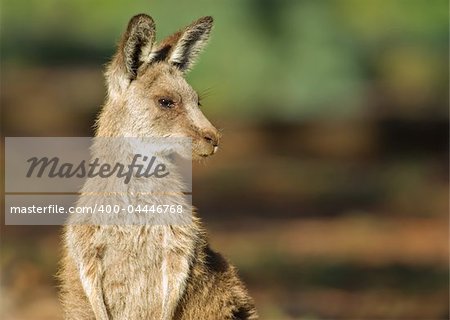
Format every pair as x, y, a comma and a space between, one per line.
145, 270
141, 260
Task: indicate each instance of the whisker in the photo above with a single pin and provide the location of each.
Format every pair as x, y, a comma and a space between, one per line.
205, 93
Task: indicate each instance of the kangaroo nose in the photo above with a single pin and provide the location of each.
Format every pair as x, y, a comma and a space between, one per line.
212, 138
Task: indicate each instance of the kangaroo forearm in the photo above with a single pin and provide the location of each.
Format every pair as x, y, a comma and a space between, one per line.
87, 257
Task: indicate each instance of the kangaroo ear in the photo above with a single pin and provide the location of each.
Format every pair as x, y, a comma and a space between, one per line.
136, 45
137, 42
182, 48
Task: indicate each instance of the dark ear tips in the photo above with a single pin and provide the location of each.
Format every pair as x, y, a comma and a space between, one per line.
207, 20
205, 23
141, 21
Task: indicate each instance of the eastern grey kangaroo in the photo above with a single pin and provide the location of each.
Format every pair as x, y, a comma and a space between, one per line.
150, 271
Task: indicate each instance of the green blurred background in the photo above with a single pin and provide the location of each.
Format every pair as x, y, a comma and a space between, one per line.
330, 191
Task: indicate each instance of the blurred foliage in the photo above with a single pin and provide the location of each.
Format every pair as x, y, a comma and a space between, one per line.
268, 58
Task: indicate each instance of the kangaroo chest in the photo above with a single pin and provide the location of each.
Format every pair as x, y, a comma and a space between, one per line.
144, 271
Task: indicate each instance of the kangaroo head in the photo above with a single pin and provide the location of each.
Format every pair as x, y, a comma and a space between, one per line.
147, 92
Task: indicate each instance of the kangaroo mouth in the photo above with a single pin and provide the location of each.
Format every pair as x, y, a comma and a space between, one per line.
202, 149
206, 154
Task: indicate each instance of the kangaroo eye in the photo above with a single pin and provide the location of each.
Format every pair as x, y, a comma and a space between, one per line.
166, 103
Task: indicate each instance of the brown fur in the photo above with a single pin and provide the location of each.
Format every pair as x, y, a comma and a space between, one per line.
149, 271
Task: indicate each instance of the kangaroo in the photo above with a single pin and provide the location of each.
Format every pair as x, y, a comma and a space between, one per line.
149, 271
